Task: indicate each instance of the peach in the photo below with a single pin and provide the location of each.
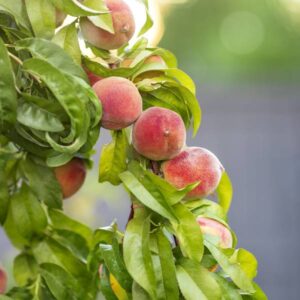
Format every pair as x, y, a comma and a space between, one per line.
215, 229
3, 281
123, 23
121, 102
191, 165
93, 78
159, 134
71, 176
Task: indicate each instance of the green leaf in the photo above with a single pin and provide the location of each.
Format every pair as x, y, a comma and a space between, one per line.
164, 265
50, 251
138, 293
37, 118
105, 235
229, 290
67, 39
105, 284
232, 269
149, 22
171, 194
76, 8
103, 21
192, 103
258, 295
137, 255
247, 262
196, 282
43, 183
113, 160
61, 284
25, 269
115, 264
73, 241
188, 233
4, 193
183, 78
147, 193
16, 9
41, 14
103, 71
225, 192
61, 221
8, 95
69, 97
207, 208
27, 213
53, 54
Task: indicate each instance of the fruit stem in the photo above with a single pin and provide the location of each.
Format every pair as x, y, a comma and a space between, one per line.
155, 167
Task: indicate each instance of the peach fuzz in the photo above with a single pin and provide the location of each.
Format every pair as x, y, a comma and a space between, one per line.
159, 134
123, 23
216, 229
71, 176
191, 165
3, 281
121, 102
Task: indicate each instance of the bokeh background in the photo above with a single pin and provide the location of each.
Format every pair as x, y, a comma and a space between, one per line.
245, 59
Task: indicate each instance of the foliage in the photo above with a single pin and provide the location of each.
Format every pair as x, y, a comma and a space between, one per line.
50, 114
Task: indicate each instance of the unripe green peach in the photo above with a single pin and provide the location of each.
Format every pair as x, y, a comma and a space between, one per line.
159, 134
71, 176
219, 233
191, 165
121, 102
3, 281
123, 23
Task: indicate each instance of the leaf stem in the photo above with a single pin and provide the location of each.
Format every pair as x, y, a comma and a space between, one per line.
15, 58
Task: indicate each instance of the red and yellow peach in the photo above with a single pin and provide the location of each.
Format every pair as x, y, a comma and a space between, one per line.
194, 164
71, 176
121, 102
123, 24
159, 134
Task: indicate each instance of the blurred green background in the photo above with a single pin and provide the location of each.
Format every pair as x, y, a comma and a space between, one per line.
236, 41
245, 59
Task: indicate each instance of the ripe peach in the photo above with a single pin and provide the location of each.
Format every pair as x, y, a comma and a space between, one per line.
93, 78
123, 23
3, 281
191, 165
217, 230
159, 134
121, 102
71, 176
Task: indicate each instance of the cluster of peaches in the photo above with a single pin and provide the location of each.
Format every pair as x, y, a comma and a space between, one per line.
158, 134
